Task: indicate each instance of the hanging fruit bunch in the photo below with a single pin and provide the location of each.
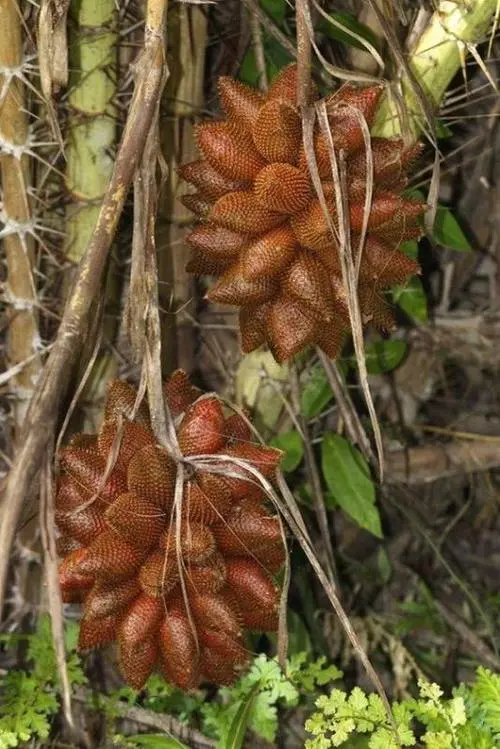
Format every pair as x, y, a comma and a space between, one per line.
175, 586
264, 232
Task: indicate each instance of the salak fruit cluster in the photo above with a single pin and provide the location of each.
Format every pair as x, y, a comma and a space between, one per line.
175, 587
264, 232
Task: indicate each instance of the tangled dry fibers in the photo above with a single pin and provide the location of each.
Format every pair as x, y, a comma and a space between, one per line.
174, 589
264, 232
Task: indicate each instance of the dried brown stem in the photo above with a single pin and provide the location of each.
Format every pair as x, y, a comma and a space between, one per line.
353, 425
23, 342
42, 415
47, 526
315, 479
165, 723
258, 46
302, 15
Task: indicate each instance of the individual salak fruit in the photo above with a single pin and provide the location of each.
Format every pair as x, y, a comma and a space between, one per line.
264, 232
176, 588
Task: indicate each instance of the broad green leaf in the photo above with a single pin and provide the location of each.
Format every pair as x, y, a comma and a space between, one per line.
442, 130
299, 640
276, 58
347, 476
411, 298
447, 231
156, 741
384, 356
239, 724
410, 248
292, 446
255, 391
316, 393
351, 23
276, 9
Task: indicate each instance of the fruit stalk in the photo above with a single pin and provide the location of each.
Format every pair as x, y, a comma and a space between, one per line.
23, 341
453, 31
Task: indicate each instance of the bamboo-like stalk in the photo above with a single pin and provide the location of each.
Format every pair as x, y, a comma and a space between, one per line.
184, 99
453, 31
91, 138
23, 342
92, 118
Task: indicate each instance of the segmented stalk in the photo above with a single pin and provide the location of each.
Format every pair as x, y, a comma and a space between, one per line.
23, 342
91, 138
92, 119
453, 31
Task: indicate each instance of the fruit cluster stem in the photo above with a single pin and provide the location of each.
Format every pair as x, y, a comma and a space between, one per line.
453, 31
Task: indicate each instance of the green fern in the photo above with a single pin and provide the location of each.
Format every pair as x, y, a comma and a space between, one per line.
470, 719
28, 699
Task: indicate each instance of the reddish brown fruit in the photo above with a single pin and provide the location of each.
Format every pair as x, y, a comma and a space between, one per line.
95, 633
83, 525
151, 475
202, 428
238, 429
123, 441
74, 583
257, 594
138, 640
262, 237
179, 651
138, 521
135, 575
106, 599
121, 403
196, 541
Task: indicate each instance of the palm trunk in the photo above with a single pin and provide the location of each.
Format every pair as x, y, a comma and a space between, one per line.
91, 139
23, 341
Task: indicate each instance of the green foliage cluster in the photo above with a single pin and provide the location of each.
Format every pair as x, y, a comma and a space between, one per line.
470, 719
253, 702
28, 698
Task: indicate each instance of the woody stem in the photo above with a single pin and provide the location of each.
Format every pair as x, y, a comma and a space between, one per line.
453, 31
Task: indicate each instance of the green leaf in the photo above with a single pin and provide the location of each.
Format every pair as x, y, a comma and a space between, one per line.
350, 23
276, 58
316, 393
447, 231
486, 691
348, 479
292, 445
442, 130
384, 565
276, 9
410, 248
299, 640
239, 724
384, 356
156, 741
411, 298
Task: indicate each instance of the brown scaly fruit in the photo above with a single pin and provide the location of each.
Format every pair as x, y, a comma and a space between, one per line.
263, 231
124, 555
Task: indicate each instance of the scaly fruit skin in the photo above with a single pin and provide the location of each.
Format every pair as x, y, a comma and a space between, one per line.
179, 601
263, 231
